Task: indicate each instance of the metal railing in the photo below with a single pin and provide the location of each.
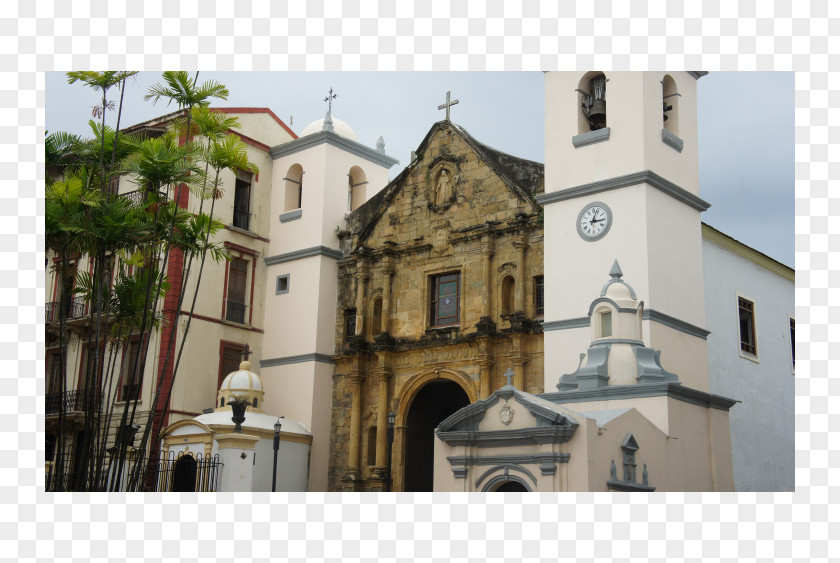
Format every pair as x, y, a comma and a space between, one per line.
169, 472
235, 312
139, 197
241, 218
74, 308
76, 400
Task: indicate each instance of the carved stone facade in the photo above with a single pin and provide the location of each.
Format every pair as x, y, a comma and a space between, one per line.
438, 283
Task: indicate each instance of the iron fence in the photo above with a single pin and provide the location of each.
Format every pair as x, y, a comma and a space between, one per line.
235, 312
74, 308
168, 472
140, 197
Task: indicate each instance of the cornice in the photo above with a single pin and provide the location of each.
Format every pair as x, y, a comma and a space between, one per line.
335, 140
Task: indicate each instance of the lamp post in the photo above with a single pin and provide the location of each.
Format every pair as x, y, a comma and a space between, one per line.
391, 419
276, 447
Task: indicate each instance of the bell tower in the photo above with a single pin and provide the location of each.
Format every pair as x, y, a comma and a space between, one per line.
621, 182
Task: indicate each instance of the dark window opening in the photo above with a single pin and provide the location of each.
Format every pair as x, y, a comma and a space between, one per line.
539, 295
242, 202
237, 277
792, 345
230, 360
746, 320
445, 299
131, 377
349, 323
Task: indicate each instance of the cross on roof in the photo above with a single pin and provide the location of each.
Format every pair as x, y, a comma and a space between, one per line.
447, 105
509, 373
330, 98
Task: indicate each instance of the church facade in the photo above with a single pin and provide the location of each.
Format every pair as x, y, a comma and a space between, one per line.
473, 297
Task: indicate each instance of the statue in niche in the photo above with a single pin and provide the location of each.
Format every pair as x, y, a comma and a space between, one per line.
443, 189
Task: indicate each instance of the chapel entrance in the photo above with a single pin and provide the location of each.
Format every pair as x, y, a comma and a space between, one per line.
432, 404
511, 487
184, 475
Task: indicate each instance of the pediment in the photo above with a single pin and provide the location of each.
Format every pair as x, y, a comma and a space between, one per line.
455, 180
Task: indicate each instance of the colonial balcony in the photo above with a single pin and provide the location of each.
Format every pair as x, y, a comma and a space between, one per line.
74, 310
73, 403
139, 197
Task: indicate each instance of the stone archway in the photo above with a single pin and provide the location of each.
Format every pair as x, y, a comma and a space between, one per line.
431, 404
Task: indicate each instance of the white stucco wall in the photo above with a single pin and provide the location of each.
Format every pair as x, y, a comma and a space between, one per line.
763, 423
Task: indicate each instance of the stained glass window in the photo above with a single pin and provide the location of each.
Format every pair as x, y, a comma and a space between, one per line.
445, 299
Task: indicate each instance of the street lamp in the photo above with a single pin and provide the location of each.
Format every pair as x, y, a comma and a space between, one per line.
276, 447
392, 418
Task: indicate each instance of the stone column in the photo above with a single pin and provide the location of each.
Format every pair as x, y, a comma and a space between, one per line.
484, 389
382, 376
355, 380
519, 359
387, 272
487, 251
362, 276
236, 452
520, 245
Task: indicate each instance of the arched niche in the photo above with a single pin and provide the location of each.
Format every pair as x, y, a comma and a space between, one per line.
507, 296
670, 105
357, 187
592, 99
294, 188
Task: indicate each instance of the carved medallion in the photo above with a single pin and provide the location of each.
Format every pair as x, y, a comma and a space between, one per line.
506, 414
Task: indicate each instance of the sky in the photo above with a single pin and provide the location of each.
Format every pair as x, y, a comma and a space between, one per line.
745, 126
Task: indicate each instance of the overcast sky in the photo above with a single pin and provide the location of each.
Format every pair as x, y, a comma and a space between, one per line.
746, 126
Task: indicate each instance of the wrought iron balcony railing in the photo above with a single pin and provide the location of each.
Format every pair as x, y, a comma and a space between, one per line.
70, 401
74, 308
139, 197
235, 312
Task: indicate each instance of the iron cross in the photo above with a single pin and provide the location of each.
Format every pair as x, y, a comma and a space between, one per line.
330, 98
447, 105
245, 353
509, 373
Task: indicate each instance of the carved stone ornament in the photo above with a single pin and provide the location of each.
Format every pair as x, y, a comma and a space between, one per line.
506, 414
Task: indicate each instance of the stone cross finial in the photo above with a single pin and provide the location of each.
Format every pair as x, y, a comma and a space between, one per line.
509, 373
447, 105
330, 98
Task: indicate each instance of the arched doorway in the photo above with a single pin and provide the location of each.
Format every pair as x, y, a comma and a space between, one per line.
431, 405
511, 487
184, 474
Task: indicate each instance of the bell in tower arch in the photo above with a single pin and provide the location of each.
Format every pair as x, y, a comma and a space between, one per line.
594, 104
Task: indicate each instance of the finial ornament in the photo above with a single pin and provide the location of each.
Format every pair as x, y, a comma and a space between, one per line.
615, 272
447, 105
330, 98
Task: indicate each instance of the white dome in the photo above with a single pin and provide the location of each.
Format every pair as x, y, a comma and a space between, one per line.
339, 126
241, 380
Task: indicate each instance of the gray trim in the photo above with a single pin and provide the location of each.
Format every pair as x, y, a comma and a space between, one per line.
643, 177
277, 290
291, 215
603, 233
336, 140
647, 315
513, 459
672, 140
548, 468
302, 358
675, 323
614, 304
615, 485
697, 74
579, 322
555, 434
591, 137
639, 391
460, 472
304, 253
507, 468
603, 341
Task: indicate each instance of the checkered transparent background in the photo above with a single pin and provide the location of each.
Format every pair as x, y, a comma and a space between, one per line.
436, 35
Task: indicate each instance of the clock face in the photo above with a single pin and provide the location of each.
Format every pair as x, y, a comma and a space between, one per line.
594, 221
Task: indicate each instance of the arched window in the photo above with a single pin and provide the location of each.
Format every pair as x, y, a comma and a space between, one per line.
371, 446
357, 187
376, 318
670, 105
222, 402
508, 295
593, 102
294, 188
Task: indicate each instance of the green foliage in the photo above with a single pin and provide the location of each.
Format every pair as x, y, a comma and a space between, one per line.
179, 88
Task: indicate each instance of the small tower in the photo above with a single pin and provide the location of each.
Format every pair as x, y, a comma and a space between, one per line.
318, 179
621, 179
617, 354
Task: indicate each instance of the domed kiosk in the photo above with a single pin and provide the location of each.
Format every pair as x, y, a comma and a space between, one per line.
200, 437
